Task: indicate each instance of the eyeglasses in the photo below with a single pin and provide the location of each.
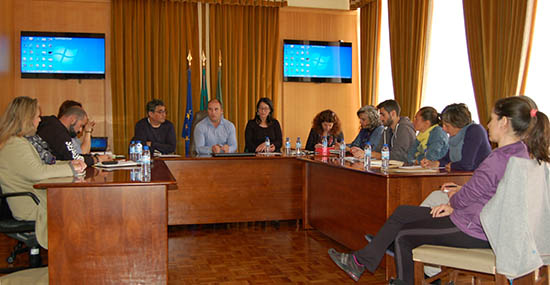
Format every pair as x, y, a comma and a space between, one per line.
162, 112
264, 109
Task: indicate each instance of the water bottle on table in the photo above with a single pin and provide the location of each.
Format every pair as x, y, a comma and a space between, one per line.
298, 146
146, 164
287, 146
342, 149
367, 156
138, 150
267, 144
132, 150
385, 157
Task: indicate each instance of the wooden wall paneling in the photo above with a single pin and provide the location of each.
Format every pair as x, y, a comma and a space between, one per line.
302, 101
93, 16
6, 52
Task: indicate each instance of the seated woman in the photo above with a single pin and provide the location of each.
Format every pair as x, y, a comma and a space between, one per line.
21, 165
431, 143
468, 143
370, 133
325, 124
519, 130
263, 125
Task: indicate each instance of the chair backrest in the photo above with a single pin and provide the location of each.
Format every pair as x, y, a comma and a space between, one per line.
5, 212
197, 117
515, 220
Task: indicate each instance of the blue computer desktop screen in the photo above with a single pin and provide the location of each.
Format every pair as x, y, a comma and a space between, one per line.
48, 54
317, 61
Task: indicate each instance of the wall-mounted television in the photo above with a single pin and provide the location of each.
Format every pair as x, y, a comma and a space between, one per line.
62, 55
317, 61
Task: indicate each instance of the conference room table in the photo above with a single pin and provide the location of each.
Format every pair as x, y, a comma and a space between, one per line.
108, 227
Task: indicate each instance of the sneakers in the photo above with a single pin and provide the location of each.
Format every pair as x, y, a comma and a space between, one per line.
391, 249
397, 282
347, 262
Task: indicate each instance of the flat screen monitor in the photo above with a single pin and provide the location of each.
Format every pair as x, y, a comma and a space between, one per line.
62, 55
317, 61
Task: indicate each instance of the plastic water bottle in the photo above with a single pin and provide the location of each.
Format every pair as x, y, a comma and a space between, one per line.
146, 164
287, 146
132, 151
267, 144
324, 142
367, 156
298, 146
385, 157
342, 149
138, 151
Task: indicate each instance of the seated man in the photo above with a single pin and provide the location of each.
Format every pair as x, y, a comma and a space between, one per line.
154, 130
58, 133
215, 134
83, 141
398, 133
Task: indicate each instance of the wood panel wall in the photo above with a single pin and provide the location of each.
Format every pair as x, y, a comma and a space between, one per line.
302, 101
6, 59
89, 16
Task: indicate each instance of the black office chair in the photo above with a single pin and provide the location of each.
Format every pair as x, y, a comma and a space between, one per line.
22, 231
197, 117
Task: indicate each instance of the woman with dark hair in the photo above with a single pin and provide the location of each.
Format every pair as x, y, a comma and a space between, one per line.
468, 142
519, 130
431, 142
325, 124
371, 130
263, 125
21, 165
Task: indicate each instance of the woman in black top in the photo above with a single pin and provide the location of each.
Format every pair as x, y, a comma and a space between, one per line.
326, 124
263, 125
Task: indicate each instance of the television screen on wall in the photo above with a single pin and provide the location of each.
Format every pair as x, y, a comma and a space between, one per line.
62, 55
317, 61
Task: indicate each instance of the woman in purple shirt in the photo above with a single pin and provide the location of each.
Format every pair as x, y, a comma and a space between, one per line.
519, 130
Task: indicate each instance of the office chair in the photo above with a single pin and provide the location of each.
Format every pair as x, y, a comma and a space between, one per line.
22, 231
199, 116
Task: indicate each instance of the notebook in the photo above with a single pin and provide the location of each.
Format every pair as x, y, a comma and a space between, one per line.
98, 144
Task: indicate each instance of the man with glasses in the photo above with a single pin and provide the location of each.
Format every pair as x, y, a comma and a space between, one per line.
154, 130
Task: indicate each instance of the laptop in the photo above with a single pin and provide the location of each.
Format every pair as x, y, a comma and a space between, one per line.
233, 154
98, 144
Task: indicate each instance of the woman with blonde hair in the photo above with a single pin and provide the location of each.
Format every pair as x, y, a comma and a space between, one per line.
21, 165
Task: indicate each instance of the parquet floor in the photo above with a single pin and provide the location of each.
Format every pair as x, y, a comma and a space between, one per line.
254, 253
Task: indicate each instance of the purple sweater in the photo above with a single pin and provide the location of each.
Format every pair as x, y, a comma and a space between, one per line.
470, 200
475, 149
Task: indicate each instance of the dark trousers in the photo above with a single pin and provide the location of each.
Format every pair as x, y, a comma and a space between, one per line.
410, 227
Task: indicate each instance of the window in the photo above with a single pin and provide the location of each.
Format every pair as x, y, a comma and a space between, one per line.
385, 84
539, 66
448, 77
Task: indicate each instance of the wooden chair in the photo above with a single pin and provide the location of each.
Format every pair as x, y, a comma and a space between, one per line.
515, 220
199, 116
479, 264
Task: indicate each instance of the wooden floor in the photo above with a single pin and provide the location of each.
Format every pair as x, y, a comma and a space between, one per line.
244, 253
254, 253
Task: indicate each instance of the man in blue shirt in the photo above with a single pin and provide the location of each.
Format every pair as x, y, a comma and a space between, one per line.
215, 134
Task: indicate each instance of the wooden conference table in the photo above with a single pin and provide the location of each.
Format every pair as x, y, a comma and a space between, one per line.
106, 228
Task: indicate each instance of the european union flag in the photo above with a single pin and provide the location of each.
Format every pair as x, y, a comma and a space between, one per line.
186, 132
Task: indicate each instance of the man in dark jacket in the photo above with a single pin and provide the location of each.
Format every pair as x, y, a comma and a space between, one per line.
58, 133
154, 130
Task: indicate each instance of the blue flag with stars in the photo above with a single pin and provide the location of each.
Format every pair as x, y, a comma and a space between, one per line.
186, 132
